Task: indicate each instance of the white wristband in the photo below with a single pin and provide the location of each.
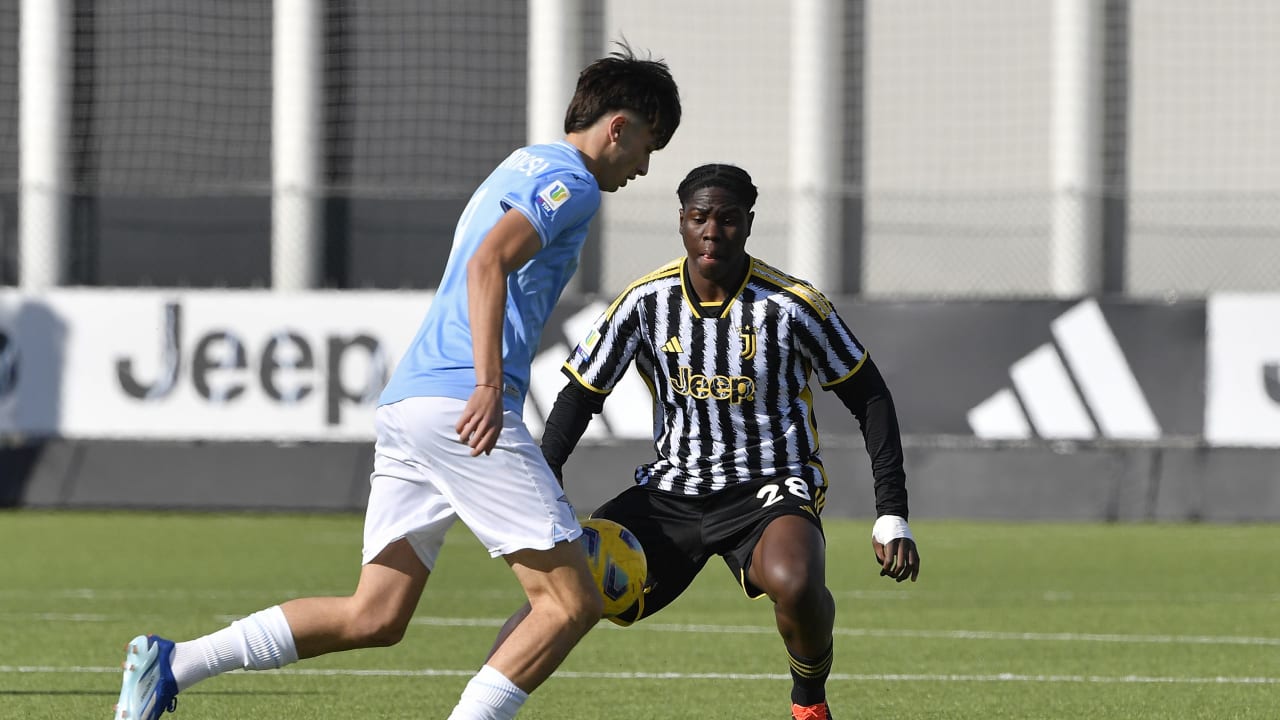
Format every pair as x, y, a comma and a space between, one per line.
889, 528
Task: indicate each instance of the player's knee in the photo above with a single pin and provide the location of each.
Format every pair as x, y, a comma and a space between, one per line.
795, 586
586, 610
383, 635
584, 603
574, 612
377, 629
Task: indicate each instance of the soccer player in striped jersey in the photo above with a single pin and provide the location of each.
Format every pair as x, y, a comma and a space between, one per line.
450, 439
728, 346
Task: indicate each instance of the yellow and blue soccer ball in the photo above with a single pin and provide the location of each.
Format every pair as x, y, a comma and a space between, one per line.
617, 563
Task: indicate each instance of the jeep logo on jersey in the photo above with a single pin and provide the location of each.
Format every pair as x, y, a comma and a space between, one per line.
8, 365
734, 388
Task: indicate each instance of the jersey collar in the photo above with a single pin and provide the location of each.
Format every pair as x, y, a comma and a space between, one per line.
711, 310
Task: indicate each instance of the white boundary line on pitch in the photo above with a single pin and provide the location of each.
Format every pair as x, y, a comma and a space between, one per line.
930, 634
838, 677
765, 630
1054, 596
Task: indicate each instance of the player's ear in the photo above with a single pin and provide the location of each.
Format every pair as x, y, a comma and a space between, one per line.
616, 122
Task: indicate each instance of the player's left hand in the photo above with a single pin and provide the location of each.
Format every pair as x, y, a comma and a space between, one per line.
481, 420
898, 559
895, 548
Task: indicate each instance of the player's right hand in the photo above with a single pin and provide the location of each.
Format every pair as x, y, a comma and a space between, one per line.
481, 421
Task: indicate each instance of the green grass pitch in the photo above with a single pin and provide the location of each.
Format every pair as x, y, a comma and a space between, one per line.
1009, 620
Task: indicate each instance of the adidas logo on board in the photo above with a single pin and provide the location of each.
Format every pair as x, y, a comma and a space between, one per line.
1078, 387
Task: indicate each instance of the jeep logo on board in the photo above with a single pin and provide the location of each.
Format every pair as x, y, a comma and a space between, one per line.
288, 368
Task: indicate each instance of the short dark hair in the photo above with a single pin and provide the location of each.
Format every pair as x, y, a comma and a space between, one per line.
728, 177
623, 81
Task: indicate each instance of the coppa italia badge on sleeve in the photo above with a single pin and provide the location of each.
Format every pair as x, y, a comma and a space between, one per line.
583, 351
551, 197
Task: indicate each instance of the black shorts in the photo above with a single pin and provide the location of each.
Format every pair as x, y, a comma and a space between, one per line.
680, 533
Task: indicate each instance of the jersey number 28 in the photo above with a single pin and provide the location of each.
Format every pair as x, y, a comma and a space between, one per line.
773, 494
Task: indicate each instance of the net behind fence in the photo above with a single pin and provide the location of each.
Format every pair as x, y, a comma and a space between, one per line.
172, 98
1204, 154
946, 135
8, 142
175, 96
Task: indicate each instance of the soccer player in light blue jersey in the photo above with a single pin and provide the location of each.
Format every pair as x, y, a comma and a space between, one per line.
450, 439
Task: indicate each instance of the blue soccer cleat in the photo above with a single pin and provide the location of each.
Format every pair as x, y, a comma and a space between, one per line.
148, 688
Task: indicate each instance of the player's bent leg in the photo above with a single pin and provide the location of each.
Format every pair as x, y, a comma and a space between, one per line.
375, 615
789, 564
563, 605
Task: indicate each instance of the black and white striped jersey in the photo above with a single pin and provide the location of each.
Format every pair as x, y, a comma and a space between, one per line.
730, 381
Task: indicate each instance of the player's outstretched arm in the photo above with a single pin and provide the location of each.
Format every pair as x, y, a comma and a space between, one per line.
868, 398
567, 421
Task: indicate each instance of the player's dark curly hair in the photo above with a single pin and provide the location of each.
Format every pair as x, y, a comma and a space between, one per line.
728, 177
623, 81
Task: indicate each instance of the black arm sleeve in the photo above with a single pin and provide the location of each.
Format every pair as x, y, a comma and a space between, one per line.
867, 397
568, 419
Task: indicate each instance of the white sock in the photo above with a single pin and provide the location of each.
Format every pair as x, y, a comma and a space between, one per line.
489, 696
261, 641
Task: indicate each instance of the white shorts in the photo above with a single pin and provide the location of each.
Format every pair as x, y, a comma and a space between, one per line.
424, 478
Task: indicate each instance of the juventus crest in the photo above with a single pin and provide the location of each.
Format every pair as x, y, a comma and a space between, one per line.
748, 334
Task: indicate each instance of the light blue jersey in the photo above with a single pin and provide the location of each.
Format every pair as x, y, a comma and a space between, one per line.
549, 185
